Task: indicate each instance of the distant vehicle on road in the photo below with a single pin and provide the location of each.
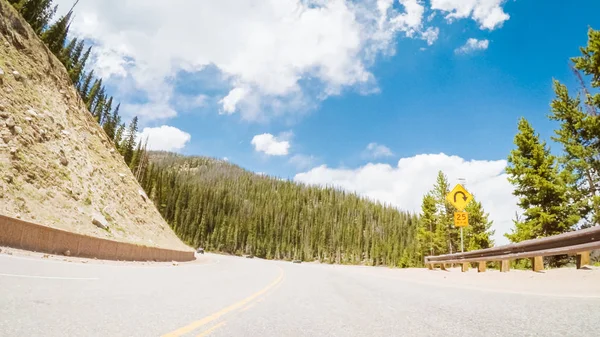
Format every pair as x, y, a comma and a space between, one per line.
200, 251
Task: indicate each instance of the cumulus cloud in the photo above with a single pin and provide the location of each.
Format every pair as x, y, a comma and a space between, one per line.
270, 145
405, 184
472, 45
264, 49
164, 138
488, 13
375, 150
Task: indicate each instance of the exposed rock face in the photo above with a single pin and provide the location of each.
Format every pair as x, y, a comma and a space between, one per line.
57, 166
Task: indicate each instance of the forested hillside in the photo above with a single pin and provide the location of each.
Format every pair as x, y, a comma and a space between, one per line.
220, 206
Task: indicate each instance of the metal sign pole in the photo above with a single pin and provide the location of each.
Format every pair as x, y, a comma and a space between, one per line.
462, 246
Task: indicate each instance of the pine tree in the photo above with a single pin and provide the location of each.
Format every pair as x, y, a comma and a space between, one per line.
542, 193
135, 159
446, 235
84, 85
92, 95
97, 107
479, 232
128, 145
77, 52
106, 113
112, 122
67, 54
436, 233
37, 13
428, 243
579, 132
118, 139
78, 62
589, 62
55, 35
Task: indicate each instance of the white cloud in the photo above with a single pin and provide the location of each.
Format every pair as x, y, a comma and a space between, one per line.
430, 35
404, 185
472, 45
152, 110
488, 13
188, 102
375, 150
302, 161
165, 138
264, 49
270, 145
230, 101
431, 16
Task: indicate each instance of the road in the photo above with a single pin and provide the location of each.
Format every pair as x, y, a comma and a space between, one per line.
232, 296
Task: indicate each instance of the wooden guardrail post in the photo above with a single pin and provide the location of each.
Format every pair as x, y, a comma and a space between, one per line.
537, 263
504, 266
430, 266
579, 243
583, 258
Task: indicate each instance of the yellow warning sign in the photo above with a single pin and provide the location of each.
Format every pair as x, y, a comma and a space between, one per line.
459, 197
461, 219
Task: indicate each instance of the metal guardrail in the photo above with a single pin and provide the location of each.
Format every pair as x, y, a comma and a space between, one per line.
579, 243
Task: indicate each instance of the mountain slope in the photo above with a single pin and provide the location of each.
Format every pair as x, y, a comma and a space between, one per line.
57, 166
220, 206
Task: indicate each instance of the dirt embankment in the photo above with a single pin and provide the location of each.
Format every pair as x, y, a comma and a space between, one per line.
57, 166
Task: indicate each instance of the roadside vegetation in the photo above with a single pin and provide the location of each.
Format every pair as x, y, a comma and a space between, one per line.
436, 233
561, 193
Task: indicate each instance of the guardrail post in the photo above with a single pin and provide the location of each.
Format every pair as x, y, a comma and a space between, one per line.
481, 266
537, 263
583, 258
504, 266
465, 267
430, 266
443, 266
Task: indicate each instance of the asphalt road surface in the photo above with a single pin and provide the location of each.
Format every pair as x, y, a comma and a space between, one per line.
231, 296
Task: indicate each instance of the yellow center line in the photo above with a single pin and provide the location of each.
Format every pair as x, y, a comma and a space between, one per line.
207, 332
195, 325
249, 306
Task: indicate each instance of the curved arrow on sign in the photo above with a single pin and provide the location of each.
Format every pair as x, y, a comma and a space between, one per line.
464, 196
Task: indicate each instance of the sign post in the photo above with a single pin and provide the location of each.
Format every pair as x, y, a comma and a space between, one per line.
459, 197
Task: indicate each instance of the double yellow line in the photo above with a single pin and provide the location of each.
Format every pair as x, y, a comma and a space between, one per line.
196, 324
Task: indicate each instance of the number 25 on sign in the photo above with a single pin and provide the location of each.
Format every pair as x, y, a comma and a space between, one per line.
461, 219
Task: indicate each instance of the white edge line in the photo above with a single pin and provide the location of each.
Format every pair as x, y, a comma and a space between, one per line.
51, 277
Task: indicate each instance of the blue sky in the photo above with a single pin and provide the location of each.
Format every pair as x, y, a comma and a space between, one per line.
316, 88
430, 101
